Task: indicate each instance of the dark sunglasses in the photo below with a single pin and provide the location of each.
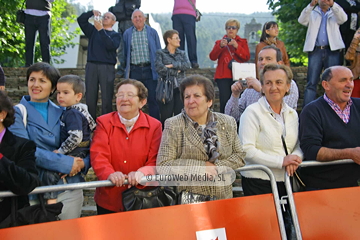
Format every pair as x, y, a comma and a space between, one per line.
231, 27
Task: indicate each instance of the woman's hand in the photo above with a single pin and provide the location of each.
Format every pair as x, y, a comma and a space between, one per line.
134, 178
290, 169
77, 166
233, 43
291, 160
117, 178
223, 42
210, 169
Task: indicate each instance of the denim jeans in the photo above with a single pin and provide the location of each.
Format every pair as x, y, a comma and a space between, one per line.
34, 24
144, 75
319, 59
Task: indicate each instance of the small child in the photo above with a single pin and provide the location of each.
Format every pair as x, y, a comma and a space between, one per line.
76, 126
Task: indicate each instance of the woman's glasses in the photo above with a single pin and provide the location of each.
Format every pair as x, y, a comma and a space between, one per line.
231, 27
128, 96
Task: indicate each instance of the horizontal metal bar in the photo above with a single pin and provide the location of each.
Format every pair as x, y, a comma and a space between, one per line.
318, 163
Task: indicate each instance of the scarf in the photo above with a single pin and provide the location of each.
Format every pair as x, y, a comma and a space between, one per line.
129, 123
270, 42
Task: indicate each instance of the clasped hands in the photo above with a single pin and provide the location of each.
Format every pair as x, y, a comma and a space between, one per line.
118, 178
291, 163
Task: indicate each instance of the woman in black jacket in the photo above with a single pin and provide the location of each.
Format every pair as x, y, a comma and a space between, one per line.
17, 161
171, 63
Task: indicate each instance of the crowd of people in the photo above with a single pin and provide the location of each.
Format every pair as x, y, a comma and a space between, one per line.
42, 143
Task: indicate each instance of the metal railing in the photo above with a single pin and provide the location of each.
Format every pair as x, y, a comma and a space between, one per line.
290, 192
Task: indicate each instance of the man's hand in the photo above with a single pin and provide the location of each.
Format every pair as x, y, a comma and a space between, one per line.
253, 83
355, 155
96, 13
77, 166
236, 89
98, 25
313, 2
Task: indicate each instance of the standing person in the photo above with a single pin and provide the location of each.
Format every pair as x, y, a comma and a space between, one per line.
123, 142
353, 56
43, 127
240, 99
140, 45
101, 59
17, 161
323, 41
37, 19
264, 126
348, 28
2, 79
268, 37
329, 130
171, 63
184, 20
230, 47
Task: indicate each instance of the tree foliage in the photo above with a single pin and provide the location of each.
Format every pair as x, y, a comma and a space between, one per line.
12, 37
291, 31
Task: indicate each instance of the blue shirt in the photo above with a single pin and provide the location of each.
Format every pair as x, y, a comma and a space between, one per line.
322, 37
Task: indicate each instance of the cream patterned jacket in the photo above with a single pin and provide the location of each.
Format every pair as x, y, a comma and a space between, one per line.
182, 146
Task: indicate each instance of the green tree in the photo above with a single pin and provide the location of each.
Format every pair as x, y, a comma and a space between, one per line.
291, 32
12, 38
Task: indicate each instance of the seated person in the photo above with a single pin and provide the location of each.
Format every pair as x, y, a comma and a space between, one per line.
236, 106
329, 130
17, 161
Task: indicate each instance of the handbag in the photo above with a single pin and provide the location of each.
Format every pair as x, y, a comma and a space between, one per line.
297, 184
20, 14
39, 213
186, 197
164, 89
197, 12
136, 199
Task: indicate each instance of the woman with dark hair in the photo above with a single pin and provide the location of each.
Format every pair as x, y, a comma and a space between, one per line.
199, 137
171, 63
269, 37
123, 142
17, 161
42, 125
230, 48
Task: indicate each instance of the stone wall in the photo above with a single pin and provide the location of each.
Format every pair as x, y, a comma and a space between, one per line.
16, 81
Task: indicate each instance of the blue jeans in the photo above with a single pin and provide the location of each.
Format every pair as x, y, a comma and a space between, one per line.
319, 59
34, 24
185, 25
144, 75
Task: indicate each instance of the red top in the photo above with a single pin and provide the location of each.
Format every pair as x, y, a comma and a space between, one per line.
241, 54
114, 149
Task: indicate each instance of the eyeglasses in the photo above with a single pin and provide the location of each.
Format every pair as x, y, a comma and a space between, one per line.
231, 27
128, 96
107, 17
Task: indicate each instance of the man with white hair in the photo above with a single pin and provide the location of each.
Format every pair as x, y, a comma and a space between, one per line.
139, 53
101, 59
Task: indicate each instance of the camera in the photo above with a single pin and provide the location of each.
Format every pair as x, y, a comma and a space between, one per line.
97, 18
228, 39
243, 82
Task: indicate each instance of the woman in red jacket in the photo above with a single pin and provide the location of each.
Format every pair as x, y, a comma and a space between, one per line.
123, 142
230, 47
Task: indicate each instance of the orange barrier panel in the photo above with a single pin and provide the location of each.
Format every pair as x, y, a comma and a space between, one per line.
243, 218
329, 214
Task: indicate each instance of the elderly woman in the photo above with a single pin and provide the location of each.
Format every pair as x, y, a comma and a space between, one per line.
230, 48
187, 137
123, 142
41, 124
17, 161
268, 132
171, 63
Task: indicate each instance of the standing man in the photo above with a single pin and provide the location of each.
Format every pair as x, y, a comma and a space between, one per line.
184, 20
323, 41
37, 19
139, 53
101, 59
236, 106
329, 130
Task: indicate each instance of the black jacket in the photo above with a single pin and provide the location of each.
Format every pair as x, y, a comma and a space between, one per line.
17, 171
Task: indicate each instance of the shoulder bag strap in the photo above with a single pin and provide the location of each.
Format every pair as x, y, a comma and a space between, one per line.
192, 4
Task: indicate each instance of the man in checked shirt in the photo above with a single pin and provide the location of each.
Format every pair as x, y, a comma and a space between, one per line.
138, 58
236, 106
329, 130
